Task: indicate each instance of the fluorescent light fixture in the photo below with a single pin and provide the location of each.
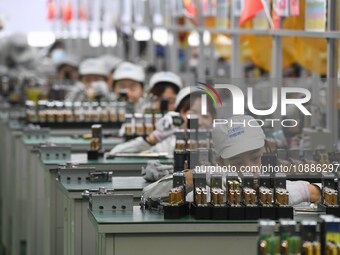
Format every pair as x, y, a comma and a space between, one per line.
193, 39
142, 34
170, 39
160, 35
40, 39
206, 37
94, 39
109, 38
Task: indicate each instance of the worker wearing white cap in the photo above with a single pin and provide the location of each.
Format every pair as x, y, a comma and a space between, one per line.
92, 83
188, 101
67, 68
130, 78
92, 69
164, 86
163, 139
17, 55
240, 142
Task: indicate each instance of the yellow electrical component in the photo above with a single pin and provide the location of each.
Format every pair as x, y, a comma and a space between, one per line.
214, 197
198, 196
176, 195
263, 247
204, 196
331, 249
282, 197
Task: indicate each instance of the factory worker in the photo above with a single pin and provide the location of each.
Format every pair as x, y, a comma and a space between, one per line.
242, 145
162, 91
48, 57
67, 68
57, 50
163, 87
92, 83
129, 78
237, 145
188, 101
17, 56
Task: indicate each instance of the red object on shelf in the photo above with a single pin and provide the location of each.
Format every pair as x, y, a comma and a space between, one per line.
276, 20
67, 13
250, 9
51, 12
82, 13
190, 8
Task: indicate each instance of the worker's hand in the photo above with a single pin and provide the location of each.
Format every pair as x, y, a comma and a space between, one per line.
298, 192
314, 192
132, 146
155, 170
188, 177
165, 126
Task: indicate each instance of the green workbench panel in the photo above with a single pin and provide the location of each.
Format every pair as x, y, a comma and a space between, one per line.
153, 216
129, 183
69, 140
81, 158
148, 216
3, 115
119, 183
14, 125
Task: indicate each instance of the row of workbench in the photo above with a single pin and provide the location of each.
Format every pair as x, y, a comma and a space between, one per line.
41, 215
35, 212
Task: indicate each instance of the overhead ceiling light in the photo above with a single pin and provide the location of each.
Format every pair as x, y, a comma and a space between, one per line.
206, 37
94, 39
109, 38
40, 39
160, 36
193, 39
142, 34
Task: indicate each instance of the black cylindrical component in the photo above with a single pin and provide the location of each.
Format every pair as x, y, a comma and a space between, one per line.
287, 228
192, 121
192, 158
164, 106
264, 180
179, 160
123, 95
308, 231
248, 180
203, 155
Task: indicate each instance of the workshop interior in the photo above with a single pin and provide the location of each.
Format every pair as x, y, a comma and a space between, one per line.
169, 127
